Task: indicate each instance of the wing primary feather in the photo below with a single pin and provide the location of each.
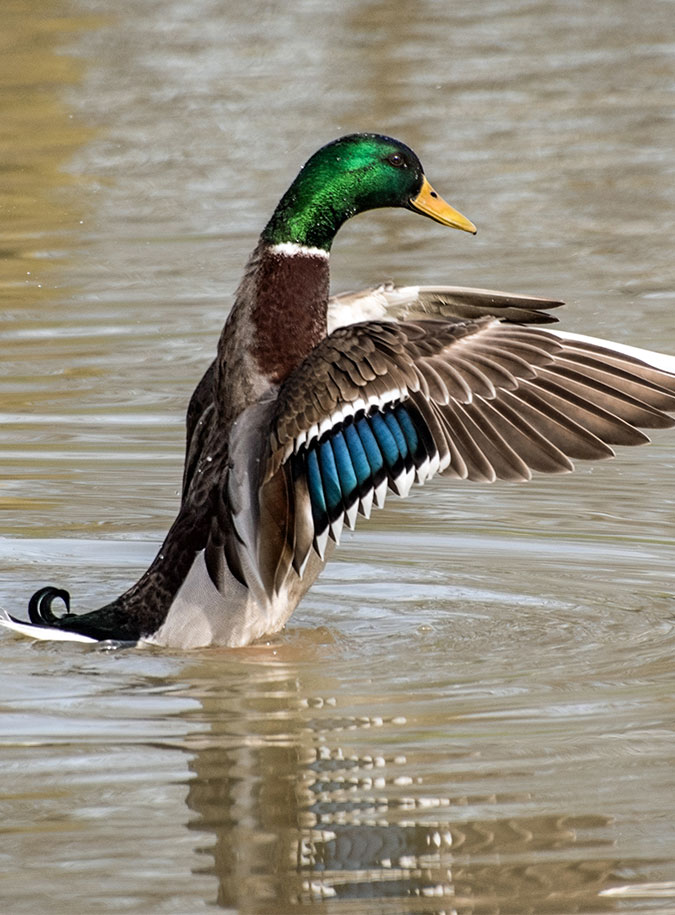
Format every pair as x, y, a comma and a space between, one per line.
608, 427
453, 379
479, 381
616, 401
569, 435
510, 361
542, 339
506, 462
478, 466
621, 360
522, 354
621, 377
214, 556
501, 377
284, 515
437, 388
538, 452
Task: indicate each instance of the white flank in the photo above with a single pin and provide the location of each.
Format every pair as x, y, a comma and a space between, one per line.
201, 615
658, 360
43, 633
290, 249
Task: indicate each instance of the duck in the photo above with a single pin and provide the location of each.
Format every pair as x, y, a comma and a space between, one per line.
315, 408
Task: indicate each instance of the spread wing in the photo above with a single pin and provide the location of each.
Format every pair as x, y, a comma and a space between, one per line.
380, 405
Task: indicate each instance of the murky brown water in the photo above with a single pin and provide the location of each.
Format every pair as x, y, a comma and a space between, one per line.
473, 711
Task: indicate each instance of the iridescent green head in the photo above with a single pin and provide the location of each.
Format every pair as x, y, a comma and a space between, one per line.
360, 172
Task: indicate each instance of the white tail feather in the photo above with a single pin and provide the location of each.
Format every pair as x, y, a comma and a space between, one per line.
42, 633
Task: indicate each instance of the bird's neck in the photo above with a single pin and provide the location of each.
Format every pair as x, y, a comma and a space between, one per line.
289, 306
278, 317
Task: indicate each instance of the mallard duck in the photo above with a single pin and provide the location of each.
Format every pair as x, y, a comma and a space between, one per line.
313, 408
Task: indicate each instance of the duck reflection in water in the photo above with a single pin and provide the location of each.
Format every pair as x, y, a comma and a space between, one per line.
308, 800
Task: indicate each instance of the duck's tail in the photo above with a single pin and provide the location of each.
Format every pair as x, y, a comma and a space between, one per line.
45, 625
39, 627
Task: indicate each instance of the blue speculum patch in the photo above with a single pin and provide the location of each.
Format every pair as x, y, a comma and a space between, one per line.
357, 454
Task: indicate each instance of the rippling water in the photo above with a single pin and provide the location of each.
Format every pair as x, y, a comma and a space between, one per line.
473, 710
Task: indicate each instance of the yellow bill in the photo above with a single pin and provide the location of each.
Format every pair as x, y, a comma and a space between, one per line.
431, 204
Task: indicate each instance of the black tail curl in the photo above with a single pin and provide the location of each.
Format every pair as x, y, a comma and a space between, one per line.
40, 606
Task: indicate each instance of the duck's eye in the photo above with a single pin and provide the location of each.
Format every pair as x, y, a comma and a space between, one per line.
396, 159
